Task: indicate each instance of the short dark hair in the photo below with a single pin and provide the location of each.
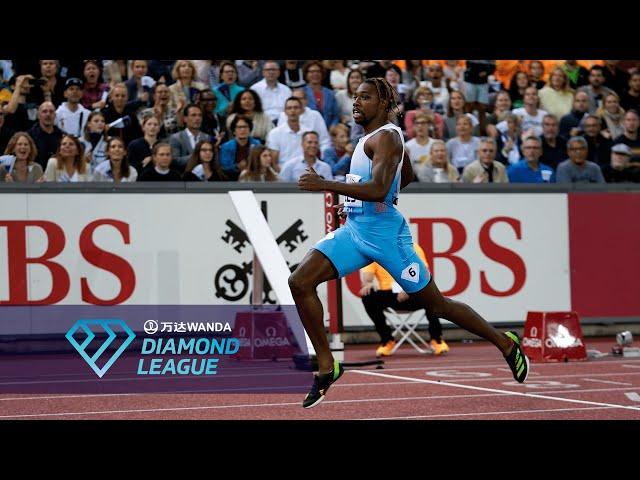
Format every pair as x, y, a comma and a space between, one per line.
237, 118
295, 99
310, 132
185, 112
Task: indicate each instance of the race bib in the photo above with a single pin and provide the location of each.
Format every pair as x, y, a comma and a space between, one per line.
348, 201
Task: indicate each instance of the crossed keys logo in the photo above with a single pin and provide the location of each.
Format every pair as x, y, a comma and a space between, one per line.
232, 281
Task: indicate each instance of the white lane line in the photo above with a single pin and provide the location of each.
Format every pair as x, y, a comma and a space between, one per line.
631, 366
541, 377
495, 390
606, 381
510, 412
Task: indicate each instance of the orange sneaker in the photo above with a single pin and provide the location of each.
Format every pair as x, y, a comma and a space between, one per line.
439, 348
386, 350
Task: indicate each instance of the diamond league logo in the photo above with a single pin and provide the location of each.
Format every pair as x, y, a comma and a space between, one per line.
85, 326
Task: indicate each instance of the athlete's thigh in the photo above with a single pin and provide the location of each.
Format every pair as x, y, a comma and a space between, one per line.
342, 251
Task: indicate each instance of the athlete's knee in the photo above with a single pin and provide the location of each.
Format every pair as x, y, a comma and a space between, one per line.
439, 308
299, 284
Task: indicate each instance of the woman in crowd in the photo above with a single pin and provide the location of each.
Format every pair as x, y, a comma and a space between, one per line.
501, 109
18, 163
518, 85
437, 169
203, 164
338, 156
260, 166
248, 103
94, 139
68, 163
228, 88
116, 168
556, 97
185, 88
170, 118
423, 99
139, 156
611, 114
455, 109
161, 170
344, 98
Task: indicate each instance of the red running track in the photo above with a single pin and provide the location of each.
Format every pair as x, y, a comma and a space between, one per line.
472, 383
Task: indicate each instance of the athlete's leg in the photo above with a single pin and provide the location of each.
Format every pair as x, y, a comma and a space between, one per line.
314, 269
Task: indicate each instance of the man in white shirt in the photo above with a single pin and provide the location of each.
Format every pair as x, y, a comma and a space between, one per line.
296, 167
437, 86
272, 93
419, 147
71, 116
285, 141
310, 117
530, 115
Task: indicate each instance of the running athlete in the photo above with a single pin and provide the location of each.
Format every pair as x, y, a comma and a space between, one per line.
376, 231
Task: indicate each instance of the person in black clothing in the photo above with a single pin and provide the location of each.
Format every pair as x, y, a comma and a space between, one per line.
212, 122
570, 124
599, 146
554, 147
630, 98
5, 134
45, 134
161, 171
291, 75
50, 85
577, 74
631, 122
18, 114
379, 68
203, 166
139, 156
617, 170
614, 77
120, 115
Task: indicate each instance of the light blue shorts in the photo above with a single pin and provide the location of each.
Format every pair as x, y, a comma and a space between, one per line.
476, 92
363, 240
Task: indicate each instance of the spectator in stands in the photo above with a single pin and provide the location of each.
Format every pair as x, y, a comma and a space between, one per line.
139, 85
509, 140
554, 147
320, 98
485, 169
272, 93
169, 117
228, 89
577, 169
94, 93
556, 97
183, 142
285, 141
50, 86
501, 109
94, 139
292, 75
378, 68
68, 163
249, 105
599, 147
344, 98
338, 72
419, 146
453, 74
203, 166
139, 151
437, 169
630, 98
161, 171
294, 168
214, 74
249, 72
120, 114
338, 156
389, 294
234, 154
310, 118
595, 90
530, 169
455, 109
116, 168
393, 75
45, 134
5, 133
610, 115
18, 163
530, 115
71, 116
615, 78
17, 115
186, 87
571, 123
261, 166
577, 74
213, 124
438, 86
413, 75
629, 137
536, 74
424, 103
518, 85
463, 147
476, 86
617, 170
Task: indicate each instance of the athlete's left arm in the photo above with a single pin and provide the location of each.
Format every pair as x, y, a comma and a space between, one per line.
407, 171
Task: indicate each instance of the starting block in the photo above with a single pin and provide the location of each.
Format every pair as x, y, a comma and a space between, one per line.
553, 337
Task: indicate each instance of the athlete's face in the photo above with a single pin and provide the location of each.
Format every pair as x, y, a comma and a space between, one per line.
366, 104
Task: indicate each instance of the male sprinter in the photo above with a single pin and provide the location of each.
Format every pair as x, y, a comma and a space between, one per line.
376, 232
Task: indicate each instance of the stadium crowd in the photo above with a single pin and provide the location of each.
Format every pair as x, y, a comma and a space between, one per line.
475, 121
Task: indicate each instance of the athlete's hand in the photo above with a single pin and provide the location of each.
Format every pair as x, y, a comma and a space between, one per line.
311, 181
340, 212
402, 296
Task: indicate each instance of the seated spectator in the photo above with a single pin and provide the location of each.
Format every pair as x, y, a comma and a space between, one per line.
453, 73
393, 75
509, 140
339, 155
577, 169
599, 147
50, 86
501, 109
203, 165
531, 116
556, 97
536, 74
320, 98
45, 134
610, 115
436, 83
338, 73
463, 147
95, 92
618, 170
170, 119
630, 98
234, 154
71, 116
554, 147
596, 90
455, 109
228, 88
437, 169
183, 142
139, 85
249, 72
139, 151
18, 163
272, 93
285, 141
121, 115
629, 137
576, 73
186, 87
310, 118
530, 169
571, 123
419, 146
292, 75
248, 104
213, 123
344, 98
94, 139
424, 104
68, 163
261, 166
115, 168
486, 169
295, 168
161, 171
519, 83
